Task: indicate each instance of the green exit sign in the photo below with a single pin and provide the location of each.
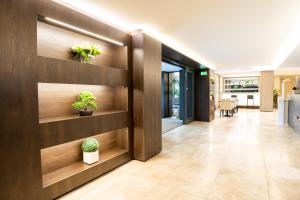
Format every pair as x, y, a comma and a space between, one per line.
203, 73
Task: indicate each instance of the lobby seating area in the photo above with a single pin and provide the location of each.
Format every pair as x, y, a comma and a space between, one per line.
228, 107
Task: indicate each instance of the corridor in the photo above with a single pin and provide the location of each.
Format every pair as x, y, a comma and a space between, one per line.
246, 157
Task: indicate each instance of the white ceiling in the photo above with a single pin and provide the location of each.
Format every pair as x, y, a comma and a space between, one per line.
231, 35
293, 60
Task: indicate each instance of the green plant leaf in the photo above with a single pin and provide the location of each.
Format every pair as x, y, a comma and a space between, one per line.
90, 145
86, 51
85, 101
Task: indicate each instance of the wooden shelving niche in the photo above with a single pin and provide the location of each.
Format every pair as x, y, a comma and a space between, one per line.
61, 77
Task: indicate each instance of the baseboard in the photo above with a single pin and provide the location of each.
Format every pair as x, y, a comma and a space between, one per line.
249, 107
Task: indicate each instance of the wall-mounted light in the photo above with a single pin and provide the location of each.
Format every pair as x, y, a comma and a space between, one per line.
54, 21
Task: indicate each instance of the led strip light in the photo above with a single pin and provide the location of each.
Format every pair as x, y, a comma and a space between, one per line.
83, 31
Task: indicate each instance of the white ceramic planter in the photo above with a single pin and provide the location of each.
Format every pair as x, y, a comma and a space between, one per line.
91, 157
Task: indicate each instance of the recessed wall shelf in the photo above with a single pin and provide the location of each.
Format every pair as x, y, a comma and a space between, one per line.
65, 179
61, 78
51, 70
79, 167
77, 29
58, 130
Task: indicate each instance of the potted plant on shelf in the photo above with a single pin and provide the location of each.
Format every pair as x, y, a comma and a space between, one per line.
85, 104
86, 52
90, 149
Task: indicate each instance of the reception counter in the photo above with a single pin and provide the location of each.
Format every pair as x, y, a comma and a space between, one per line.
242, 98
294, 112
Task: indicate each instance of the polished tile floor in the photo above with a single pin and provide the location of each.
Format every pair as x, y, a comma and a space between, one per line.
169, 123
247, 157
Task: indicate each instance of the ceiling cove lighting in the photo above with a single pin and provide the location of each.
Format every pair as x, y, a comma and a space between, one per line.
263, 68
83, 31
151, 31
101, 14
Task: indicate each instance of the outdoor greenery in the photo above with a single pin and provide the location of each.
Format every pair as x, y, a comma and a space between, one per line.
86, 52
175, 85
90, 145
85, 101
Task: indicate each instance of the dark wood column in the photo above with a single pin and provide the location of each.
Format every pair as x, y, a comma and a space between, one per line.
203, 104
146, 96
20, 142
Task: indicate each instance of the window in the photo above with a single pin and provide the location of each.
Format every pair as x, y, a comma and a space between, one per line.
241, 84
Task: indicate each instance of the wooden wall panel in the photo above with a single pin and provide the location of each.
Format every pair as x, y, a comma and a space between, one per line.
147, 96
152, 96
202, 97
59, 156
266, 91
121, 98
20, 168
55, 100
56, 42
51, 70
66, 129
59, 12
58, 183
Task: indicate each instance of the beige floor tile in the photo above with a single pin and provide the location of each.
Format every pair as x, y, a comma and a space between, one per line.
246, 157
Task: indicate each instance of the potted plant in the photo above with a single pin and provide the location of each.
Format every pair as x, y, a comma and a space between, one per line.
85, 104
86, 52
212, 80
90, 149
275, 97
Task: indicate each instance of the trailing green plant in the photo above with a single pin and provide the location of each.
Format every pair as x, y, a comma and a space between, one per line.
90, 145
86, 52
85, 101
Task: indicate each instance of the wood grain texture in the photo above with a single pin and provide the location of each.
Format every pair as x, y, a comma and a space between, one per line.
59, 12
60, 156
57, 42
73, 176
266, 91
52, 70
106, 78
55, 132
55, 100
146, 96
129, 98
202, 97
19, 124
